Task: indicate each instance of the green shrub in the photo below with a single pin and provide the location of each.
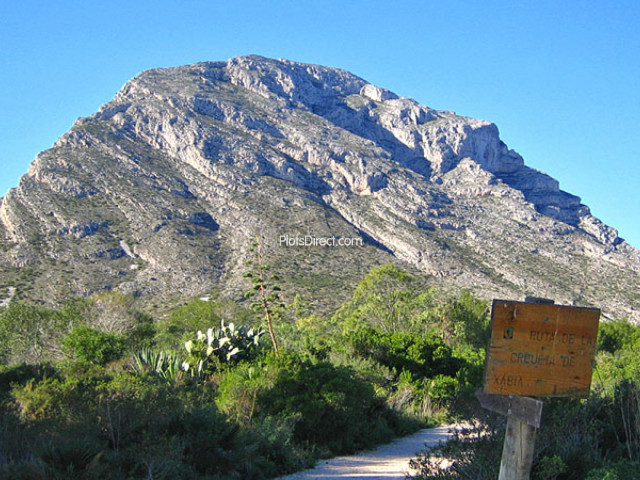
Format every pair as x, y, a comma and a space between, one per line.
107, 425
142, 333
335, 409
71, 458
93, 346
611, 369
41, 400
549, 467
274, 442
621, 470
466, 320
179, 326
615, 335
11, 376
423, 355
388, 299
442, 389
210, 441
239, 389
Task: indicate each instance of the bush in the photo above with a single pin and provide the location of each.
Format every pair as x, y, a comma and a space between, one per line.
616, 335
179, 326
621, 470
272, 449
93, 346
442, 389
335, 409
423, 355
102, 424
239, 389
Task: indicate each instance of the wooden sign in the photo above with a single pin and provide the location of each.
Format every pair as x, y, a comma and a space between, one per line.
525, 409
540, 350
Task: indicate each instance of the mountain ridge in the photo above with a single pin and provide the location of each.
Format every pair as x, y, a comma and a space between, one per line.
159, 193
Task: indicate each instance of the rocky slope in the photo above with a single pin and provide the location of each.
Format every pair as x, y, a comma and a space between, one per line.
160, 192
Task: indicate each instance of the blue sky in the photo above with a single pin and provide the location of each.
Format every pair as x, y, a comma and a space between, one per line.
560, 79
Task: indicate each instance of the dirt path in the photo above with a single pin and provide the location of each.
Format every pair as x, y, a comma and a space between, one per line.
389, 462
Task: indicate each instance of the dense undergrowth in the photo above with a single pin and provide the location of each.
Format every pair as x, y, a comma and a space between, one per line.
96, 389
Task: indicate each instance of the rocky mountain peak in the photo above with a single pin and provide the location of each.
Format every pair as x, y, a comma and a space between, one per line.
161, 190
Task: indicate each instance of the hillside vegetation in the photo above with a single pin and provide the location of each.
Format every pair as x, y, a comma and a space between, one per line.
97, 389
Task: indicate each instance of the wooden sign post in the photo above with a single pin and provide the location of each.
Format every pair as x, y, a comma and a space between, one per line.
540, 349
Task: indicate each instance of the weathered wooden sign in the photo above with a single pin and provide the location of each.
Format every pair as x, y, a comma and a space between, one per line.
540, 349
525, 409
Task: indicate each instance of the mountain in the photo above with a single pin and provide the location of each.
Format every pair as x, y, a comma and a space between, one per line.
160, 192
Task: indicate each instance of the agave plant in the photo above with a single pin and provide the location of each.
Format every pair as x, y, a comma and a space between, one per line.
161, 363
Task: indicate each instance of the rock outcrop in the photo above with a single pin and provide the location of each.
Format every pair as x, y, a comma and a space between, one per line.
160, 192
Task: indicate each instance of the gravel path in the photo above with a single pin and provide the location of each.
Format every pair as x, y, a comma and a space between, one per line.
386, 463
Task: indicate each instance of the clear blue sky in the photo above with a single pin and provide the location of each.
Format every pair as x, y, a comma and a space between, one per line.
559, 78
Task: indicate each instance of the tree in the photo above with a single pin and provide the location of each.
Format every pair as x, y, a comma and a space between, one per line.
466, 320
387, 298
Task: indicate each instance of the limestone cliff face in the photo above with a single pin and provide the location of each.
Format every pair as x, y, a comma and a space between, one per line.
159, 193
